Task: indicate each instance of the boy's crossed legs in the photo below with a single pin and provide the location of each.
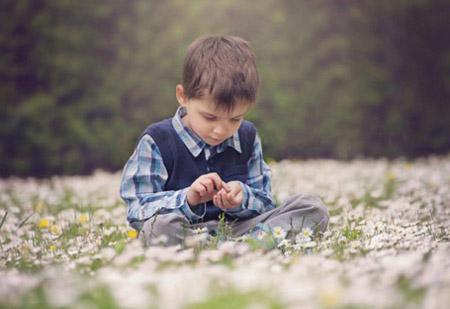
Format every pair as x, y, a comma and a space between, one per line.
297, 212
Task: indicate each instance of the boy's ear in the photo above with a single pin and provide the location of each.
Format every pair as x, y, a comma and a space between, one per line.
179, 92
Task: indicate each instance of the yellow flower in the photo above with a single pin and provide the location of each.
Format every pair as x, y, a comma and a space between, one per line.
132, 234
55, 230
52, 248
83, 218
43, 223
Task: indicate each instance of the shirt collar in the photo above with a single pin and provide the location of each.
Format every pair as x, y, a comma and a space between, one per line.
194, 143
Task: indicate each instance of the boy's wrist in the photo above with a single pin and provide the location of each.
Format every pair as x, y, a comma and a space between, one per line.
191, 201
187, 209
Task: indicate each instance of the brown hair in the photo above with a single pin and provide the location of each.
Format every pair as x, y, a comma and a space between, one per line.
222, 68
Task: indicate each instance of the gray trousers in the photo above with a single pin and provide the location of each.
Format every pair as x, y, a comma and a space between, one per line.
297, 212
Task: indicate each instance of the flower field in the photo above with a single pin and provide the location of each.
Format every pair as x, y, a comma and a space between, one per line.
65, 242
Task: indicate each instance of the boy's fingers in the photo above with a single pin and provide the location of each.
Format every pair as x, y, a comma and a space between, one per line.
231, 196
217, 201
226, 186
208, 184
233, 199
235, 190
216, 180
201, 189
226, 203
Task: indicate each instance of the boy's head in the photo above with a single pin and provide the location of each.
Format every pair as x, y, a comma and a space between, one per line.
220, 82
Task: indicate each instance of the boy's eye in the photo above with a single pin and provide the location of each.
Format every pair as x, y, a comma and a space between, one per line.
236, 119
208, 117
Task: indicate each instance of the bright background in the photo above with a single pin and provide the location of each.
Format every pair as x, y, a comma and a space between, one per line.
79, 80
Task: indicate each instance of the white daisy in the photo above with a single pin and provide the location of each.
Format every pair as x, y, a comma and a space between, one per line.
279, 233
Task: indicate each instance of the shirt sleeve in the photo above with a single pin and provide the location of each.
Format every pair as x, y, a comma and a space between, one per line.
257, 189
142, 184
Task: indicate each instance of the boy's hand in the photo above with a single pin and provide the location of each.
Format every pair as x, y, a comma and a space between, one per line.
228, 199
204, 188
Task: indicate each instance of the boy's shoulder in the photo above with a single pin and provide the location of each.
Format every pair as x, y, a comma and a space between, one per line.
160, 128
247, 129
248, 125
247, 135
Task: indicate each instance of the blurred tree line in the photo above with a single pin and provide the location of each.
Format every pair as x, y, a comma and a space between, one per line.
79, 80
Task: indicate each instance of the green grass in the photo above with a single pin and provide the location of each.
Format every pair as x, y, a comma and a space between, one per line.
411, 294
231, 298
99, 297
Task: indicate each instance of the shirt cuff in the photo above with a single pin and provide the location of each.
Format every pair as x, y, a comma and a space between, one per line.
186, 209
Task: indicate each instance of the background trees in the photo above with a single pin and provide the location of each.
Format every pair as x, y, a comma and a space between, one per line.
340, 79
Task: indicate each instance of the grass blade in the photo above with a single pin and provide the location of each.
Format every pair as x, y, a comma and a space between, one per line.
24, 221
3, 219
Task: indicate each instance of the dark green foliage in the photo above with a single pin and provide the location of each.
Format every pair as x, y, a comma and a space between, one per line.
80, 80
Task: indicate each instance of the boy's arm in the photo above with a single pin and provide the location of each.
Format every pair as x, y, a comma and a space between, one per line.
257, 192
142, 184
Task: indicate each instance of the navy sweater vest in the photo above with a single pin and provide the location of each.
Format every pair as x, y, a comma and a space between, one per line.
183, 168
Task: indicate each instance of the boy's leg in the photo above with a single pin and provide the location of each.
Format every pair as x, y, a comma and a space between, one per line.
297, 212
174, 225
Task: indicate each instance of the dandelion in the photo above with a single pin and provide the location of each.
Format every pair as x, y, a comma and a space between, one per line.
43, 223
132, 234
52, 248
83, 218
279, 233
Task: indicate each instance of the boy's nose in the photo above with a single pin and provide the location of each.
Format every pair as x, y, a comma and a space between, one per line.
219, 130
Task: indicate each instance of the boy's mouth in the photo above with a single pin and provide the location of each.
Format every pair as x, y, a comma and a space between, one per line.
215, 140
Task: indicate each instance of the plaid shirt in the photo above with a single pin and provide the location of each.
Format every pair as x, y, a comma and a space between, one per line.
144, 177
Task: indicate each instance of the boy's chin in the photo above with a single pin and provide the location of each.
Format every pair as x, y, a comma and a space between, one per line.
213, 142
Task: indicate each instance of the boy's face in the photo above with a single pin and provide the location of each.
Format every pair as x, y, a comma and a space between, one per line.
212, 125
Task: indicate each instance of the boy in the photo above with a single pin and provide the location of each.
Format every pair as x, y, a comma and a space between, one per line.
207, 160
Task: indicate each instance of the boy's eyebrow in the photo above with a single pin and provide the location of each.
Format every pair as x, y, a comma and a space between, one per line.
213, 115
238, 116
209, 114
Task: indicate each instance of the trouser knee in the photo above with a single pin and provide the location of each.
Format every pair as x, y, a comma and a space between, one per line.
321, 212
311, 206
169, 229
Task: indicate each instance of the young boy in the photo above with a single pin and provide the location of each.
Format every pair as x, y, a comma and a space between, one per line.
207, 160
